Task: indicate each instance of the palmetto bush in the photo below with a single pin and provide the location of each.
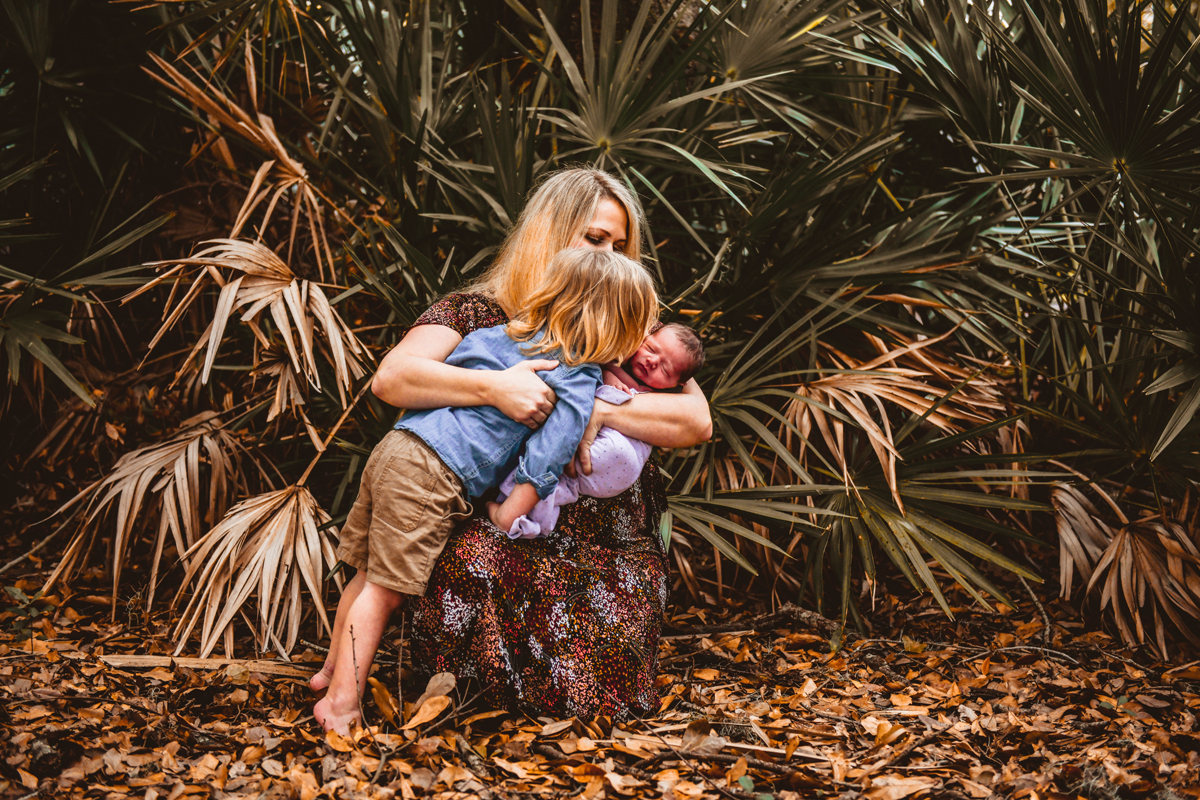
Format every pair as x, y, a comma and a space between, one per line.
929, 246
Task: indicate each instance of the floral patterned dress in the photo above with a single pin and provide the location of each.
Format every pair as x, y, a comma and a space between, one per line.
564, 625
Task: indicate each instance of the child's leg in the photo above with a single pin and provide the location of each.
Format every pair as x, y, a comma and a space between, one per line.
321, 680
354, 550
365, 621
407, 503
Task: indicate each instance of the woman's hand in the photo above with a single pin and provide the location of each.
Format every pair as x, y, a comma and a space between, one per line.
663, 420
521, 395
583, 454
414, 375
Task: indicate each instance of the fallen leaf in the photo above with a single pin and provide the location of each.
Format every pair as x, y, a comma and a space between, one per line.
894, 788
552, 728
623, 784
383, 700
343, 744
428, 711
508, 766
440, 684
237, 674
697, 739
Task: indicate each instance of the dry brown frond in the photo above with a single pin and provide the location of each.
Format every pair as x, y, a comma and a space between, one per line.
172, 470
277, 178
912, 376
1083, 534
1145, 570
253, 277
269, 547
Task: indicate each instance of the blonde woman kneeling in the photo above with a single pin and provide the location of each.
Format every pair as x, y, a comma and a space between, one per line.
591, 307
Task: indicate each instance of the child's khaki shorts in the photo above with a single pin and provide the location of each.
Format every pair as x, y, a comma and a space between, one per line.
406, 506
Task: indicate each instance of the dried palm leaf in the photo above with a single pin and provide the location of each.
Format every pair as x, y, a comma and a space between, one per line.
270, 547
265, 547
859, 393
1083, 535
251, 276
174, 472
1146, 570
1155, 554
289, 175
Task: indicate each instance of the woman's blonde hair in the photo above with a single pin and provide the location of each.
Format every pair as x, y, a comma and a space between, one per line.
556, 216
594, 305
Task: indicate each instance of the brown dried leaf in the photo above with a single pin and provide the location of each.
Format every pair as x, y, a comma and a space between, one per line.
428, 711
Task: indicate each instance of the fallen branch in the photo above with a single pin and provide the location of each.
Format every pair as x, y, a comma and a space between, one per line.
292, 670
787, 613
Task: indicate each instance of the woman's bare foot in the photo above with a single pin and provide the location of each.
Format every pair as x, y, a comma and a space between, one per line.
320, 682
336, 719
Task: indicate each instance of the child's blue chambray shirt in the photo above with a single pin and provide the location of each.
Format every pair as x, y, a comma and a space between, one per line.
481, 445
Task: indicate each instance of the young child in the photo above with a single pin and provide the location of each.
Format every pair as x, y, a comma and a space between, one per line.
592, 307
667, 358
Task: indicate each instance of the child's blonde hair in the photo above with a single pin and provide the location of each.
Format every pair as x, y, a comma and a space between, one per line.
555, 218
594, 305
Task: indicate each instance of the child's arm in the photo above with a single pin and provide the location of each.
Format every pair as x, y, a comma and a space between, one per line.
552, 446
522, 500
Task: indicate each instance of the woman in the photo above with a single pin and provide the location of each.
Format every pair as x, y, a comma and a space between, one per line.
568, 624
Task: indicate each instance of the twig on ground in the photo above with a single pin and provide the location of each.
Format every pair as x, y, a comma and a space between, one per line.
33, 550
474, 762
899, 756
788, 612
723, 758
733, 794
1047, 630
828, 715
1026, 648
384, 756
634, 770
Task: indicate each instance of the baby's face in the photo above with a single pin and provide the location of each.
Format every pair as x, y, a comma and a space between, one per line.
659, 362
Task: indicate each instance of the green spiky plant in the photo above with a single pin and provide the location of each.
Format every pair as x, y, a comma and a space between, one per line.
1085, 115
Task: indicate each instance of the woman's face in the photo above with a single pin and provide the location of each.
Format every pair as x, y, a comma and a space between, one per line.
608, 229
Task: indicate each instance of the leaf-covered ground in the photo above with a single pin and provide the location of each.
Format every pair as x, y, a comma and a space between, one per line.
751, 706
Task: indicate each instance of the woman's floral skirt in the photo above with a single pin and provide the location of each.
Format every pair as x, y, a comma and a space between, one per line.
566, 625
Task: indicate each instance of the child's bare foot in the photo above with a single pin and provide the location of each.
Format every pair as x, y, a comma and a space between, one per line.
320, 682
336, 719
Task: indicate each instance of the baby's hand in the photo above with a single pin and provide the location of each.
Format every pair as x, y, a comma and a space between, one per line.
613, 376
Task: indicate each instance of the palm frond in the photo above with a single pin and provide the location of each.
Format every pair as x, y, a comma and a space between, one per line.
198, 468
1143, 572
273, 547
298, 308
290, 178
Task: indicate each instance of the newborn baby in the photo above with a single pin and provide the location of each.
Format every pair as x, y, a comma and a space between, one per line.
668, 358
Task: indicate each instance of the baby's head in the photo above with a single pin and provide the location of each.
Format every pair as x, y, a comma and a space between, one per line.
669, 357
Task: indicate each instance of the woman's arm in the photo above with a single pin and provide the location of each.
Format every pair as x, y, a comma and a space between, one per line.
663, 420
414, 375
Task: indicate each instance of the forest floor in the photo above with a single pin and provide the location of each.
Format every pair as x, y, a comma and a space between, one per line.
752, 708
